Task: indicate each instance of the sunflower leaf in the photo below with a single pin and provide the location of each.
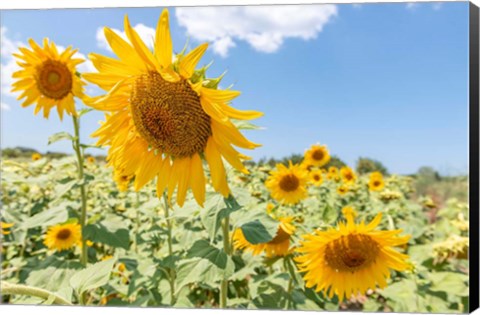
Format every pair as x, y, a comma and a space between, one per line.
59, 136
93, 276
261, 230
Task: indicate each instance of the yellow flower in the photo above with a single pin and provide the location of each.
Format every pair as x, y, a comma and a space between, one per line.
64, 236
351, 258
317, 155
89, 243
316, 177
4, 226
48, 78
428, 202
348, 175
342, 190
270, 207
288, 185
122, 180
454, 246
348, 211
278, 246
163, 117
36, 156
91, 159
376, 182
333, 173
121, 267
106, 257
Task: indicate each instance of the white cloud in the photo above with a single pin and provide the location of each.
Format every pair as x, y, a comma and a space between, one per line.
146, 33
412, 5
265, 27
4, 106
437, 5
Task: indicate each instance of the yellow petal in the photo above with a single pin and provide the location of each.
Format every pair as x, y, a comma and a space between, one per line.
163, 41
183, 179
163, 177
239, 114
140, 46
123, 50
217, 170
219, 96
188, 63
197, 179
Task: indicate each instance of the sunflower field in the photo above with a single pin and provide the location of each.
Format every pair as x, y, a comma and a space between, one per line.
174, 217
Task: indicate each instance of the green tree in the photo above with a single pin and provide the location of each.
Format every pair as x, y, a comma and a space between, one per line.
367, 165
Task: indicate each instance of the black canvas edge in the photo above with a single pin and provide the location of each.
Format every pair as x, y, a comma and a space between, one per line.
474, 158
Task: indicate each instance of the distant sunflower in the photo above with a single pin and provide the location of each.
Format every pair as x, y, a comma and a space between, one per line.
5, 226
278, 246
376, 182
36, 156
64, 236
351, 258
316, 177
342, 190
48, 78
288, 185
332, 173
163, 117
317, 155
91, 159
348, 175
122, 180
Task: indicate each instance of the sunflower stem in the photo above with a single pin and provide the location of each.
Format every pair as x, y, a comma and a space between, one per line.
20, 289
227, 249
83, 213
172, 274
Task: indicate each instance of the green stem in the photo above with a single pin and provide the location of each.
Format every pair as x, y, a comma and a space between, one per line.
170, 249
83, 214
20, 289
228, 250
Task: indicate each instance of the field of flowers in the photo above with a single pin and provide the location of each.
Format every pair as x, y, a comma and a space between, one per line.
138, 257
174, 216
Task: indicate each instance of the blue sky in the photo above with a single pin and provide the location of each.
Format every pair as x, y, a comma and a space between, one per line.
386, 81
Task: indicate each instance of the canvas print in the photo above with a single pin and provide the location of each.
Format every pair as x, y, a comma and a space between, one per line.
294, 157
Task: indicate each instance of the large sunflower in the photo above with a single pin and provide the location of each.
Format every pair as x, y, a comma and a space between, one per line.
288, 185
65, 236
351, 258
317, 155
48, 78
278, 246
163, 117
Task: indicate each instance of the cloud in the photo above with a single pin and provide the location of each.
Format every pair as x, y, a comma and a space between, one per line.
265, 28
437, 5
4, 106
412, 5
146, 33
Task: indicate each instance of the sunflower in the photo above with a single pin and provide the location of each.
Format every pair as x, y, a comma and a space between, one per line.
48, 78
163, 117
342, 190
91, 159
64, 236
316, 177
332, 173
122, 179
278, 246
348, 175
4, 227
376, 182
288, 185
351, 258
36, 156
317, 155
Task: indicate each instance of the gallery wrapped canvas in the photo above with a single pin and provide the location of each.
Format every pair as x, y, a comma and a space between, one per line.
284, 157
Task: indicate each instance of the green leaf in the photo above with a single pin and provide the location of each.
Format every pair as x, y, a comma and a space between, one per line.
111, 235
203, 249
216, 209
84, 111
245, 125
59, 136
261, 230
52, 216
202, 270
93, 276
449, 282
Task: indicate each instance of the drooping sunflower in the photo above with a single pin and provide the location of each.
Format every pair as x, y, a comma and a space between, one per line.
351, 258
278, 246
5, 226
163, 117
36, 156
376, 182
316, 177
48, 78
288, 185
317, 155
348, 175
63, 236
